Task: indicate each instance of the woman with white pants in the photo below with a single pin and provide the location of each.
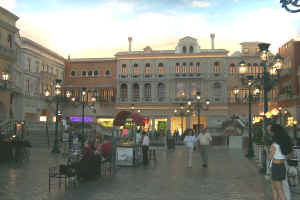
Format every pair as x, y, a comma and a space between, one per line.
189, 141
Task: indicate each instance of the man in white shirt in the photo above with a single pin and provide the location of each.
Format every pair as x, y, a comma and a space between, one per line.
204, 140
145, 147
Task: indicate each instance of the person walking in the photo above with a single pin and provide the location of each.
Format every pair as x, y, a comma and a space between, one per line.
145, 147
204, 140
189, 141
281, 148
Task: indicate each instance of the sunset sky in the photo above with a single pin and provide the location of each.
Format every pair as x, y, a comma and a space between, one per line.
100, 28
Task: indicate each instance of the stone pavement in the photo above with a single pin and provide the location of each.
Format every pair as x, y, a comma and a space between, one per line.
229, 176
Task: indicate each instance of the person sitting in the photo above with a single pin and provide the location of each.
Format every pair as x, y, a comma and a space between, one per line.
106, 149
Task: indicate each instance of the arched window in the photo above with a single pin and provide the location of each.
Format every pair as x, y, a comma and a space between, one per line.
136, 92
191, 67
83, 73
232, 68
177, 67
191, 49
216, 68
148, 68
73, 73
184, 49
147, 92
184, 67
96, 73
161, 90
198, 67
160, 68
107, 72
90, 73
135, 69
123, 92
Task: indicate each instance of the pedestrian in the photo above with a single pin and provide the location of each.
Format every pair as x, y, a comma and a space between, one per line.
145, 147
189, 141
280, 149
204, 140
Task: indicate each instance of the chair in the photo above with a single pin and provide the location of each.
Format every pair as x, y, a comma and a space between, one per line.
55, 173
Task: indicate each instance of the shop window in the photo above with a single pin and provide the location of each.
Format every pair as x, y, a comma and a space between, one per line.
90, 73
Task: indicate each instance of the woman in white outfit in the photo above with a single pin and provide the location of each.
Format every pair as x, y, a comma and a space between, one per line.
189, 141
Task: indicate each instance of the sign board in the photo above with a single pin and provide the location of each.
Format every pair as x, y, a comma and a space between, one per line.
124, 156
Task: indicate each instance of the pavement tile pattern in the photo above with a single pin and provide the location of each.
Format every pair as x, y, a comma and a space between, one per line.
229, 176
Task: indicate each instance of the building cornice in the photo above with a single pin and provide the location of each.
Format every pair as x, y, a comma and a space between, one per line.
74, 60
9, 14
40, 47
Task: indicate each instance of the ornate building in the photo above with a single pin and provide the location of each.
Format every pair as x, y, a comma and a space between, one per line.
8, 57
98, 76
157, 82
40, 68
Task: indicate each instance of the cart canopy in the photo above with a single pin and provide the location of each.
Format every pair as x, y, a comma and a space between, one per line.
123, 115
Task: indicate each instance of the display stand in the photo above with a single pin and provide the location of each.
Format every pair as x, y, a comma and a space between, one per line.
128, 152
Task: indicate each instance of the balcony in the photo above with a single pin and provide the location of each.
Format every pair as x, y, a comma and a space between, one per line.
136, 99
123, 99
188, 75
147, 99
8, 53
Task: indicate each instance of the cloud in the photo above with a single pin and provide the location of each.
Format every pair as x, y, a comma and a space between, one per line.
8, 4
102, 30
201, 3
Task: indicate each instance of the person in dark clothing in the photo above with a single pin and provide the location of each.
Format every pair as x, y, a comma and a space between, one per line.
145, 147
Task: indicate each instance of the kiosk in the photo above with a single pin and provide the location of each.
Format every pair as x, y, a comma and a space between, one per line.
129, 150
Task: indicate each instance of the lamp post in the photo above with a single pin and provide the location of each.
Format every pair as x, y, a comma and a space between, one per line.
253, 91
84, 96
292, 6
268, 80
55, 148
84, 100
198, 106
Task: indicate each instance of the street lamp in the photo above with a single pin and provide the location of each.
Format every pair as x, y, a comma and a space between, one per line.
57, 92
253, 91
268, 80
198, 106
292, 6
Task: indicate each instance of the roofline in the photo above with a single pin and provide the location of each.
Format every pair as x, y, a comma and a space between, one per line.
37, 45
92, 59
9, 13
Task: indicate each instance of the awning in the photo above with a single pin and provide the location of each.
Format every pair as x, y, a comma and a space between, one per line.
121, 117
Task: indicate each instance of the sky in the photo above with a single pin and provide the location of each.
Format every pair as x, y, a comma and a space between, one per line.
100, 28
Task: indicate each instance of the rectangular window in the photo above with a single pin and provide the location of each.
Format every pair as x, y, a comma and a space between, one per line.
135, 69
27, 86
191, 67
160, 69
184, 68
148, 69
198, 67
28, 65
123, 69
177, 68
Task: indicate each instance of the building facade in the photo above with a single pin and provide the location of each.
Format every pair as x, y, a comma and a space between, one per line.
157, 82
98, 76
289, 93
40, 68
8, 57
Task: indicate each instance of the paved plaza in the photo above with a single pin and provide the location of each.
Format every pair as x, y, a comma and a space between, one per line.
229, 176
